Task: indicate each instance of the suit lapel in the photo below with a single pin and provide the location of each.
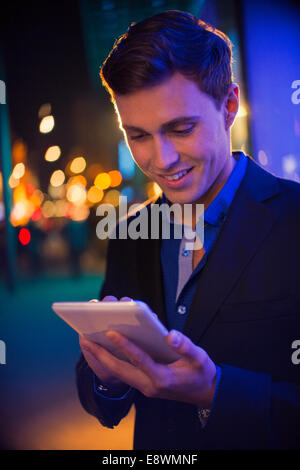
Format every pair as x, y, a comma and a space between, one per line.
247, 225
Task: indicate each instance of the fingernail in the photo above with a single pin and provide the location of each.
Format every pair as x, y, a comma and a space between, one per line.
111, 335
175, 337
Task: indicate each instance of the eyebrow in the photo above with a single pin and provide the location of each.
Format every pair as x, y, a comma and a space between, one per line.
167, 125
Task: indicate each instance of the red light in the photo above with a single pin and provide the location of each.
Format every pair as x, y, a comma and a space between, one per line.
30, 189
24, 236
37, 214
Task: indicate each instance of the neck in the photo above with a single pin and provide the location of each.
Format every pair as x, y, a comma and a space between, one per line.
207, 198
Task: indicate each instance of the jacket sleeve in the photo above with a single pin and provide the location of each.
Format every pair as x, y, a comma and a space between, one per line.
252, 412
108, 411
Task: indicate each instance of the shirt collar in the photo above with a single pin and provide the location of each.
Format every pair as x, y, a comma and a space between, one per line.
218, 208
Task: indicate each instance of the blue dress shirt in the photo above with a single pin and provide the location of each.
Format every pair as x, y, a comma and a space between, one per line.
175, 258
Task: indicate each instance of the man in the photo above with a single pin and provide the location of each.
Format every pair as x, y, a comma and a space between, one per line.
233, 305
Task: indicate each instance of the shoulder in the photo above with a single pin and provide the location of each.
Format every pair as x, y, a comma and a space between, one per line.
290, 188
265, 185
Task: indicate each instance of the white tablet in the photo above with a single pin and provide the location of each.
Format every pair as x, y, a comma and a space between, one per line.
133, 319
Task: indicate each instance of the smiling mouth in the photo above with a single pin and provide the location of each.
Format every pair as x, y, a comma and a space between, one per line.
176, 176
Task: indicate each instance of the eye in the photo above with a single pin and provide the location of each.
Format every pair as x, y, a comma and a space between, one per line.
137, 137
185, 131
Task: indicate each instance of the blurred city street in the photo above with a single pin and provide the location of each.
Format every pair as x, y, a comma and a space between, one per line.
39, 407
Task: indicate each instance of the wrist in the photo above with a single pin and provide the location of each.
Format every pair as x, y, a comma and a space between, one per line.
112, 389
207, 398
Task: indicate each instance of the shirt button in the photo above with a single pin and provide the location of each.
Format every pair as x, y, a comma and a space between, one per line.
181, 309
185, 252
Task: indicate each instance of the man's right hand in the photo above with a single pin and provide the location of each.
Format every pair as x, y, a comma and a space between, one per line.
103, 374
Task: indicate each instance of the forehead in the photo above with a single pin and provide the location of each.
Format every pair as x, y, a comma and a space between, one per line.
176, 96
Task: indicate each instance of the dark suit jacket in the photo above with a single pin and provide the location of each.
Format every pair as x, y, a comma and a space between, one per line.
245, 314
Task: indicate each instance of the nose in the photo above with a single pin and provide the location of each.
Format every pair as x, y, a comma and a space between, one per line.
164, 155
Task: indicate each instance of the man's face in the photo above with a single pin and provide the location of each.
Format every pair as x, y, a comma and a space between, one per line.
178, 138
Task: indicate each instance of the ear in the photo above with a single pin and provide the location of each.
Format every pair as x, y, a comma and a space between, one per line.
231, 105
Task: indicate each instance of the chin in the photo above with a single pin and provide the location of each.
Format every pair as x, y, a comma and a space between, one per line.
182, 199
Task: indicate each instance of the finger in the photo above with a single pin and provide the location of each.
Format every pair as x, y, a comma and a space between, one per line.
122, 370
85, 343
184, 346
99, 369
137, 356
102, 372
98, 352
128, 299
109, 298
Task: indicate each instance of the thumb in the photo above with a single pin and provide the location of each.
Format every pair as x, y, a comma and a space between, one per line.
182, 344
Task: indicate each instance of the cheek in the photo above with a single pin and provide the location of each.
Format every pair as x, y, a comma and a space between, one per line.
203, 143
208, 145
140, 156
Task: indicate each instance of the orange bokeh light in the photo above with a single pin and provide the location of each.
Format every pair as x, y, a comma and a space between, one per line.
115, 177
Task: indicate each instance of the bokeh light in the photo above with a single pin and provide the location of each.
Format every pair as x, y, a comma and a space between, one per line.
21, 212
13, 182
57, 192
262, 157
153, 190
19, 171
37, 215
29, 189
47, 124
19, 151
53, 153
76, 194
61, 208
289, 163
38, 195
79, 213
20, 193
102, 181
78, 179
24, 236
115, 178
78, 165
57, 178
112, 197
94, 195
242, 112
48, 209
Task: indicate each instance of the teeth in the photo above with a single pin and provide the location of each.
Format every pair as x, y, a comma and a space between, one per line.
177, 176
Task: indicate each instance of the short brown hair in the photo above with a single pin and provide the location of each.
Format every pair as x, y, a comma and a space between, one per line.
157, 47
